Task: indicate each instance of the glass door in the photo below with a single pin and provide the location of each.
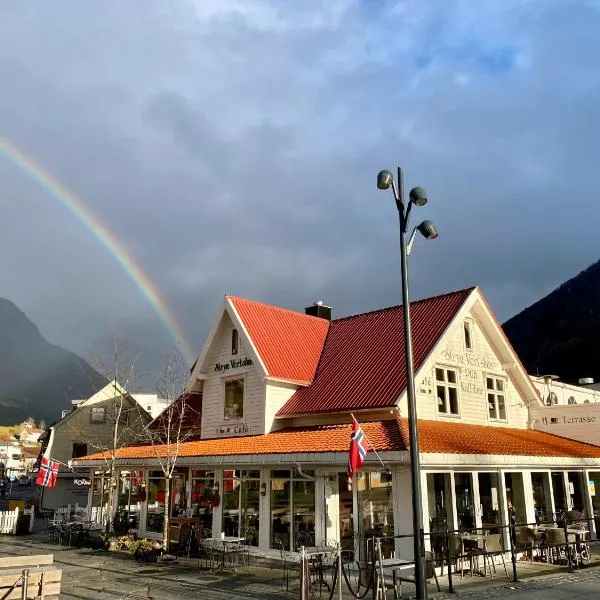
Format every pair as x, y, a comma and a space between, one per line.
515, 498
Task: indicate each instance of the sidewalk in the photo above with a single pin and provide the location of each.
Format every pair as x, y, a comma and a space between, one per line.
98, 575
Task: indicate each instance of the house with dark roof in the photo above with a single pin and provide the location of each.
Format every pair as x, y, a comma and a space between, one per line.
278, 389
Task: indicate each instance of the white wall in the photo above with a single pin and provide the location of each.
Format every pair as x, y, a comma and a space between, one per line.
472, 367
563, 392
213, 395
277, 394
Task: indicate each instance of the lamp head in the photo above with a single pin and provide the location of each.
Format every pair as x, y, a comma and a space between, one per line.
428, 230
384, 180
418, 196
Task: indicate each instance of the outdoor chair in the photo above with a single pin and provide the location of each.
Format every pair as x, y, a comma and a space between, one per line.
558, 544
493, 548
289, 560
429, 573
525, 540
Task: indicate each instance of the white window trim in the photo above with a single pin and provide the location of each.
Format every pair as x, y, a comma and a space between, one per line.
225, 380
504, 393
456, 370
468, 323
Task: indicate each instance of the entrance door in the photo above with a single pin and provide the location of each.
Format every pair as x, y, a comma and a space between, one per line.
515, 497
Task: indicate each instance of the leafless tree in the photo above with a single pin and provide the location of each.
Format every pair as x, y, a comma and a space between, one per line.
178, 423
123, 419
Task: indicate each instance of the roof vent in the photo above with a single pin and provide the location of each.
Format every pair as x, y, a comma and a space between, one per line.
585, 381
319, 309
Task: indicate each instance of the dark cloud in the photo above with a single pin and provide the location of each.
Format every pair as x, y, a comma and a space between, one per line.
234, 147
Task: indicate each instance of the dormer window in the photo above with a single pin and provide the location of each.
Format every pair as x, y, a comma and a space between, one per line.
468, 336
235, 342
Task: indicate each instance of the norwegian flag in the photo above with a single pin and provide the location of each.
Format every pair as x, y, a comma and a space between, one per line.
48, 473
358, 449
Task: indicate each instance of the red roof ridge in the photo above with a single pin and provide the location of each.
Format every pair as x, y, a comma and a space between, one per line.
272, 307
412, 303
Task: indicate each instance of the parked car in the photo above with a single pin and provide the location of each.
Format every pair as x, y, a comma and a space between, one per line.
24, 480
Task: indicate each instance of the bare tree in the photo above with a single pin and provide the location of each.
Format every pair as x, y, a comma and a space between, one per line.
178, 422
112, 421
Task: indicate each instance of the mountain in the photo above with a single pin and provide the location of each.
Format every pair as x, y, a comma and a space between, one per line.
37, 379
560, 334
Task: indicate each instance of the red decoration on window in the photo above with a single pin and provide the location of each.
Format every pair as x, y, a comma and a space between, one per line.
160, 496
141, 495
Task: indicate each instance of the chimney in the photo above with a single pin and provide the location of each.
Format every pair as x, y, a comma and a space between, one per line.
319, 309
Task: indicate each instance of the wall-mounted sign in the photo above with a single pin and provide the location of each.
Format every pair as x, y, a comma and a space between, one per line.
472, 360
82, 482
570, 420
234, 363
241, 428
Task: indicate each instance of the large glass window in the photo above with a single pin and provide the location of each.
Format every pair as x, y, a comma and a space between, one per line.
241, 503
178, 495
446, 383
346, 512
463, 491
577, 504
558, 490
542, 508
496, 398
489, 500
292, 509
156, 502
203, 483
594, 487
100, 491
439, 494
129, 500
375, 509
234, 399
515, 497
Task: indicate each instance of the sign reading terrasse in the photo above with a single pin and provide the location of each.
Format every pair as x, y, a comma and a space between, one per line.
234, 363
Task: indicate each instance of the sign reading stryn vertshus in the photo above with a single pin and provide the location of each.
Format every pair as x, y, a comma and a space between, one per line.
234, 363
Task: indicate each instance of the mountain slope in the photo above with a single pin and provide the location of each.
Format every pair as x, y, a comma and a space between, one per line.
37, 379
560, 334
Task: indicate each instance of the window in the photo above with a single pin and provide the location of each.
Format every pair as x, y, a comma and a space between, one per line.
234, 399
98, 414
235, 339
468, 337
551, 399
447, 391
571, 400
496, 398
79, 450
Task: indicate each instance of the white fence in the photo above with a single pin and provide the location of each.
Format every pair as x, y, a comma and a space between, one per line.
9, 518
98, 514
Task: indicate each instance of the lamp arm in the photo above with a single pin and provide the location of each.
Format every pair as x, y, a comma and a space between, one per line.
410, 241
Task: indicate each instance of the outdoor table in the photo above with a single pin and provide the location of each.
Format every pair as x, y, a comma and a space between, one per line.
474, 537
228, 542
394, 564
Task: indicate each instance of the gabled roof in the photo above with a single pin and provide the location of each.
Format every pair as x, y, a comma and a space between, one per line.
362, 365
385, 436
289, 343
188, 408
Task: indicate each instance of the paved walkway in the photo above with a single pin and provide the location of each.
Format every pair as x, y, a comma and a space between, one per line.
98, 575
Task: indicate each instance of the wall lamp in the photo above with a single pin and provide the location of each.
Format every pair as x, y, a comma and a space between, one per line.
263, 489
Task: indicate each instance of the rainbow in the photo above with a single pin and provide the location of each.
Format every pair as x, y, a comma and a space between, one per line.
77, 208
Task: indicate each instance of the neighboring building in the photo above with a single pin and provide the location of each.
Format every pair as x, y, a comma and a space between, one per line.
17, 458
569, 410
30, 434
278, 389
91, 426
151, 403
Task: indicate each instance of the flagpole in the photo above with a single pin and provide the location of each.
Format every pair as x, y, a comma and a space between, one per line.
372, 447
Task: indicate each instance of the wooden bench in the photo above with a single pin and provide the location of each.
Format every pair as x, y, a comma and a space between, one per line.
29, 577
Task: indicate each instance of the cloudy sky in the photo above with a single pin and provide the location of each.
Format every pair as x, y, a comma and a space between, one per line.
232, 146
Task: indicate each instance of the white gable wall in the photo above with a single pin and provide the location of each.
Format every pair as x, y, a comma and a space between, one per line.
472, 367
277, 395
214, 424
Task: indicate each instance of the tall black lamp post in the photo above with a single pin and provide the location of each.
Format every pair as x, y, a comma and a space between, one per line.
417, 197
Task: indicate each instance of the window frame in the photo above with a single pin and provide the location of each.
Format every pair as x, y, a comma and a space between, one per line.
96, 421
226, 382
468, 332
235, 342
80, 445
496, 392
446, 385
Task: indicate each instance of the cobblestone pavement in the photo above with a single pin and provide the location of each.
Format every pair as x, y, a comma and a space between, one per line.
97, 575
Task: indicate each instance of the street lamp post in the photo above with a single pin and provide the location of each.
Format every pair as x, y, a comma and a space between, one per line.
417, 197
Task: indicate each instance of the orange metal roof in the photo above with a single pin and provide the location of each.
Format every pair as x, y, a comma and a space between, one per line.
389, 435
384, 435
288, 342
363, 366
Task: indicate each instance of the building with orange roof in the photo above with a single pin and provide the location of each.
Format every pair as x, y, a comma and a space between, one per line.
277, 390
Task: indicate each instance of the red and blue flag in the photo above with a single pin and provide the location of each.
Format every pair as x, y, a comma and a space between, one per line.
48, 472
358, 449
